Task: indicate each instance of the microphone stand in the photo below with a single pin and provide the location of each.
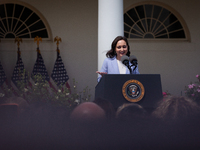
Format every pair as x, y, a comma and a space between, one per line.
129, 67
126, 63
134, 67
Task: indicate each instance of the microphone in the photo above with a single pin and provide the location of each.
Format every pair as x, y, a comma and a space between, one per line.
125, 61
133, 60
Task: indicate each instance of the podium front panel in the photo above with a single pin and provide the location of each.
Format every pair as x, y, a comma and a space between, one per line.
110, 88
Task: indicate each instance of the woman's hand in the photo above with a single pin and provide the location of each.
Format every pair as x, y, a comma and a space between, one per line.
101, 73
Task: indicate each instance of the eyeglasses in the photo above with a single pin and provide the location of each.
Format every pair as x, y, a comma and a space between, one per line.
124, 46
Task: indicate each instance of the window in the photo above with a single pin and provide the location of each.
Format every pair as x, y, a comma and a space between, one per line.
16, 20
152, 21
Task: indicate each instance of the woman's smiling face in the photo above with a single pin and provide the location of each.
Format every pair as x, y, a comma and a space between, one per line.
121, 49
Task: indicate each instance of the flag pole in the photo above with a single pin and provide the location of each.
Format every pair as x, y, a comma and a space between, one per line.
18, 40
38, 39
57, 40
59, 73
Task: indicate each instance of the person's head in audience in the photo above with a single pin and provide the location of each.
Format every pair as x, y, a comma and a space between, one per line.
107, 107
88, 112
176, 108
130, 111
22, 103
2, 98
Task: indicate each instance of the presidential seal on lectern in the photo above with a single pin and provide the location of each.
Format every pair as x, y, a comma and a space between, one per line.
133, 90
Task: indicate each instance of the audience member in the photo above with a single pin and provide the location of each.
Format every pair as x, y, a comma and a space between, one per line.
88, 112
131, 111
22, 103
12, 107
177, 118
176, 108
107, 107
2, 98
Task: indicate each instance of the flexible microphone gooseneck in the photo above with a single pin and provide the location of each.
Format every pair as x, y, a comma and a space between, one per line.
125, 61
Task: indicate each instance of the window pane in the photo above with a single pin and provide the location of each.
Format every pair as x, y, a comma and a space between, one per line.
126, 35
161, 33
40, 34
9, 8
162, 36
148, 9
18, 26
127, 28
10, 35
140, 26
178, 34
136, 28
18, 10
144, 24
37, 25
148, 36
5, 24
26, 14
136, 32
24, 36
165, 13
140, 10
170, 20
134, 36
2, 11
133, 14
156, 11
149, 24
174, 26
150, 20
19, 20
128, 20
33, 18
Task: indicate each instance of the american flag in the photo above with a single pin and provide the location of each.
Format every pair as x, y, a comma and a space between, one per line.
2, 75
40, 69
19, 75
3, 81
59, 73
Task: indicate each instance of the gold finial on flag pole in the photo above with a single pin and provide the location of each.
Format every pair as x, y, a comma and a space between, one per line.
57, 40
38, 39
18, 40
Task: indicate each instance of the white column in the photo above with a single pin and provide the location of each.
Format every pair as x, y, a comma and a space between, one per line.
110, 25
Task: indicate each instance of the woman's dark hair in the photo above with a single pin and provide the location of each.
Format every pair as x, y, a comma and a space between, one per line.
111, 53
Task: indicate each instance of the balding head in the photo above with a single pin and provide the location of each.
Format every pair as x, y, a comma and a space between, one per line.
88, 111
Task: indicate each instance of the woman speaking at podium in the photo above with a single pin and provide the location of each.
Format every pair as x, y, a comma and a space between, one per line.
113, 63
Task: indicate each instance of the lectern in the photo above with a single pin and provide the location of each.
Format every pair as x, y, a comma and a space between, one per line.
144, 89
